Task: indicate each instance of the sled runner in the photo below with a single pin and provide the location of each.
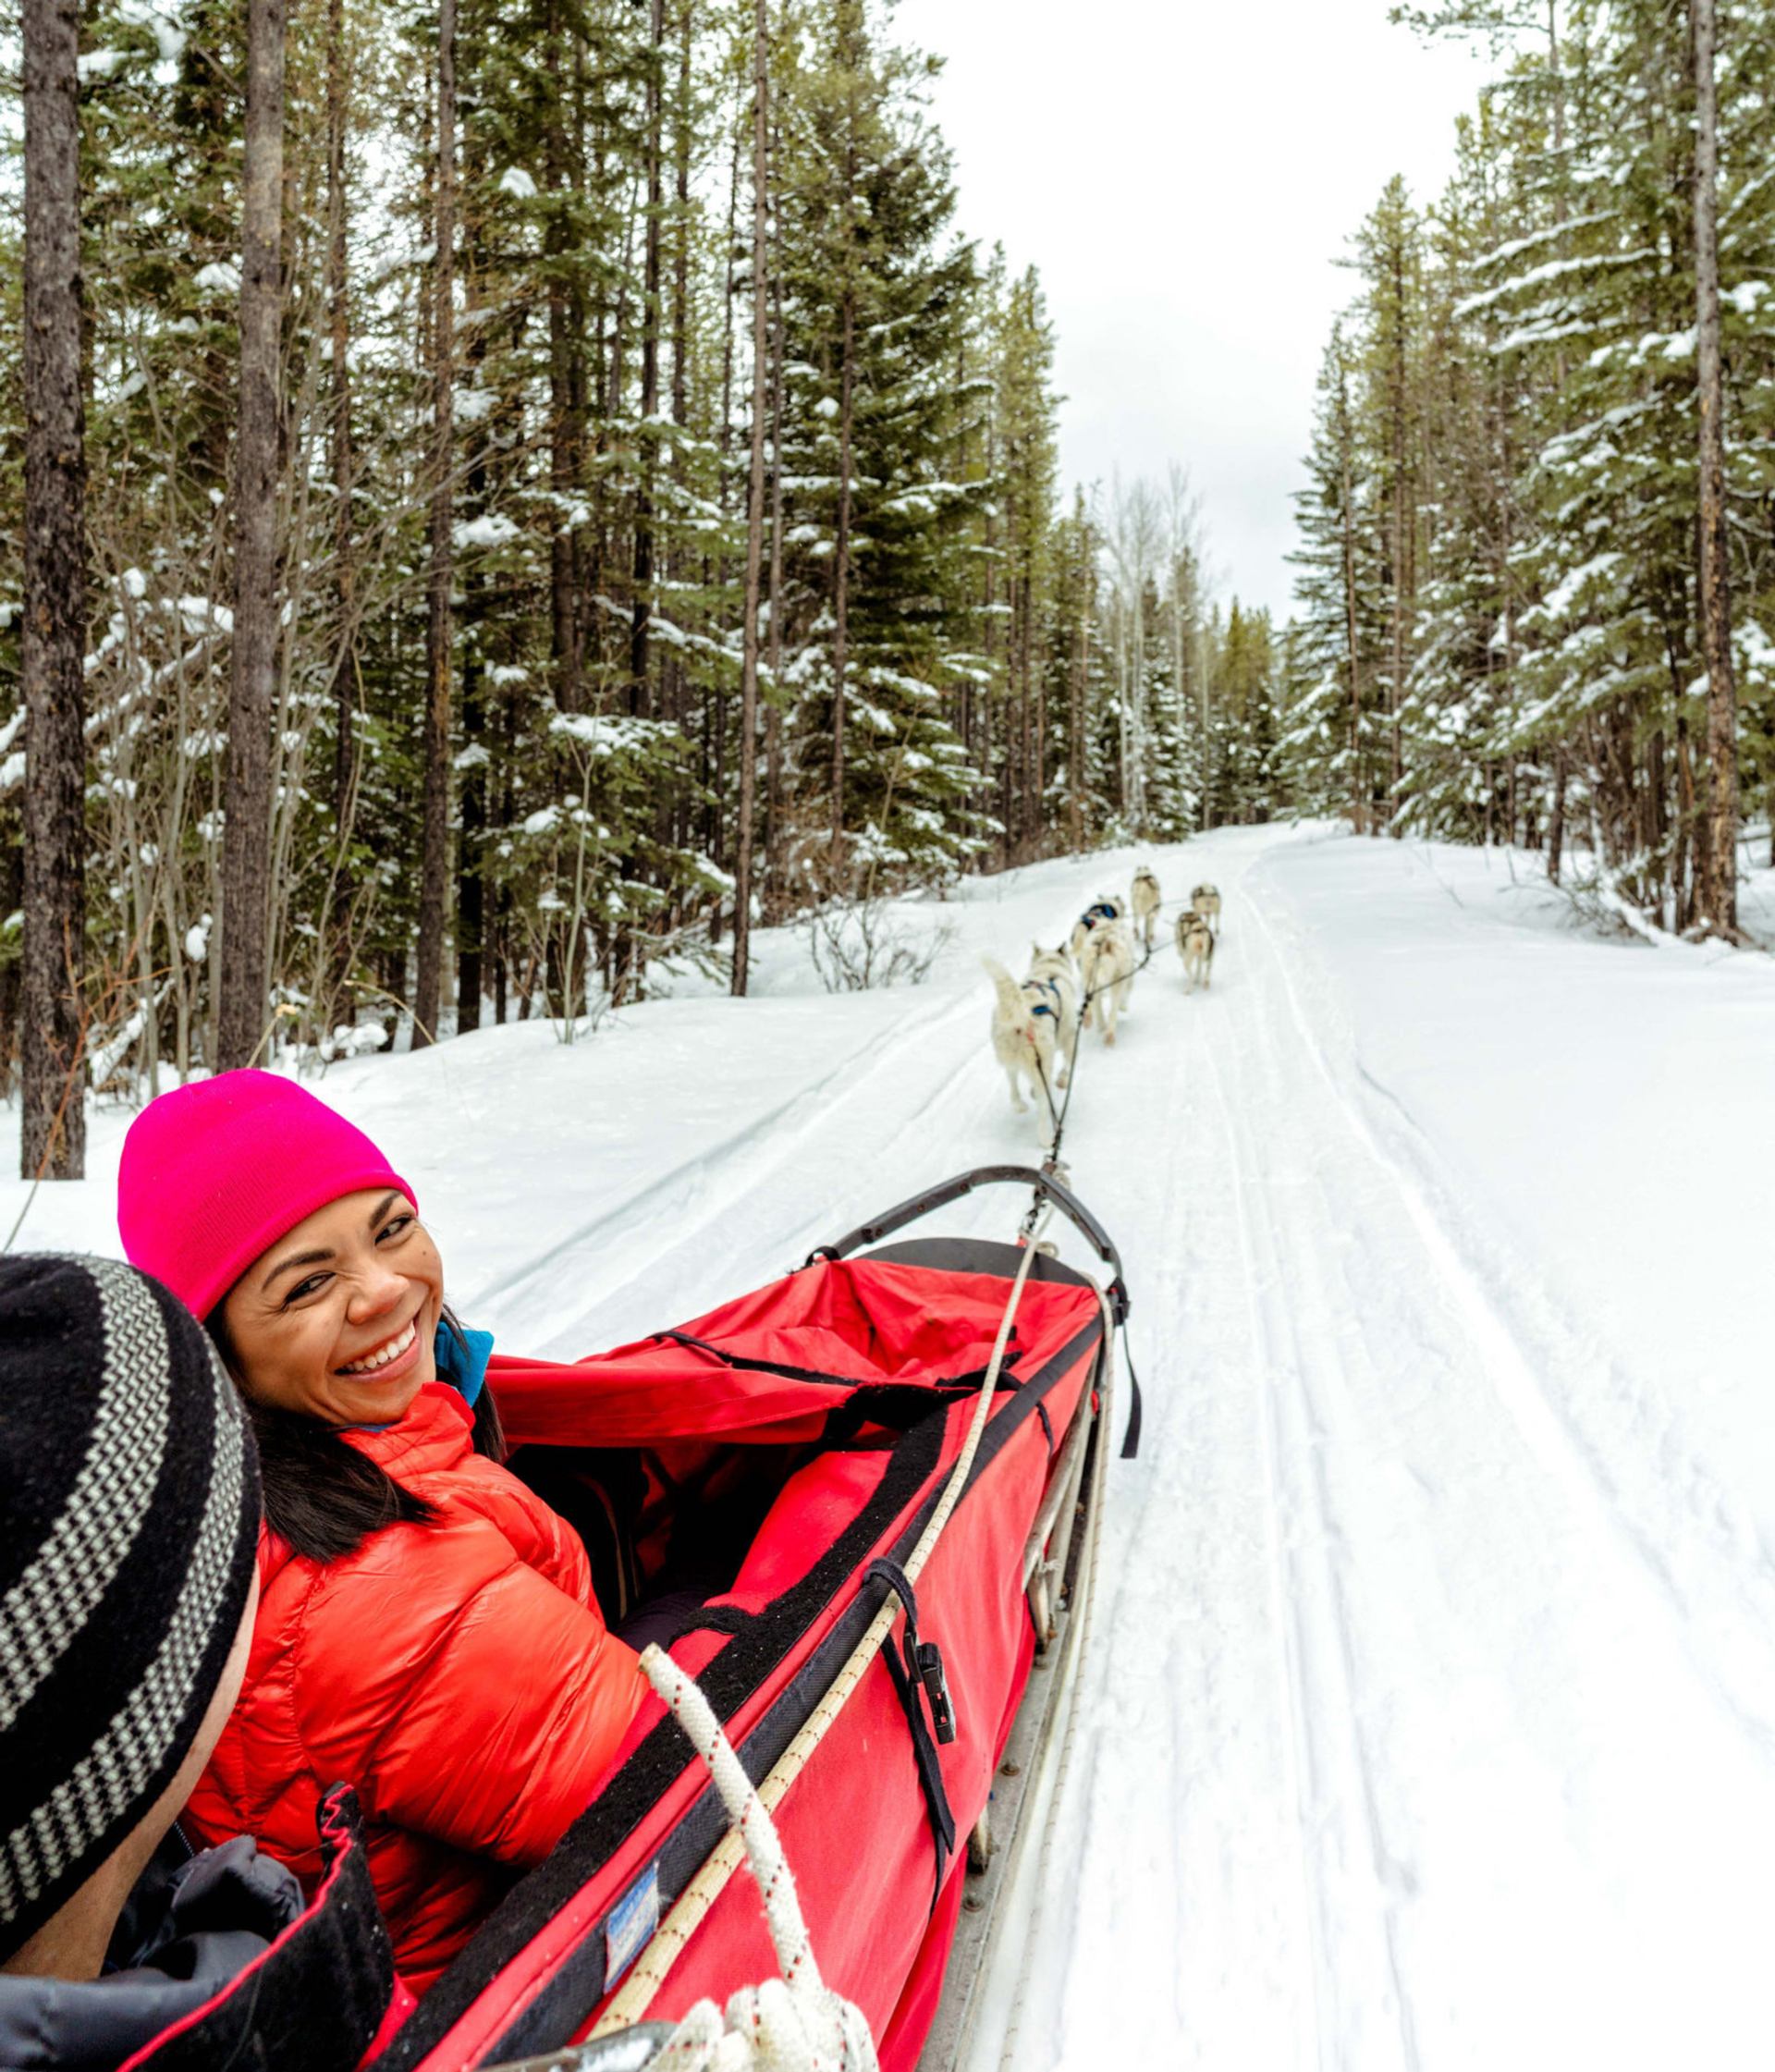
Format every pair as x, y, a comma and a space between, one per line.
789, 1449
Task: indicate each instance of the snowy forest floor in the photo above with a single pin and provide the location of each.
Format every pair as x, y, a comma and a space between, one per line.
1430, 1715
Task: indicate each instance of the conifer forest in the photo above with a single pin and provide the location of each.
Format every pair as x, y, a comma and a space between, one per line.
500, 496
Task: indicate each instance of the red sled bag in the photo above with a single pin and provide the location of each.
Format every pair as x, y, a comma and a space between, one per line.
814, 1423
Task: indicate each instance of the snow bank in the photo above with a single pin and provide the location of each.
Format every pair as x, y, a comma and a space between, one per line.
1598, 1107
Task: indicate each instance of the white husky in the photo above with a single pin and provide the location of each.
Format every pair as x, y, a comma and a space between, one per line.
1205, 901
1026, 1037
1107, 908
1106, 969
1196, 946
1050, 972
1144, 903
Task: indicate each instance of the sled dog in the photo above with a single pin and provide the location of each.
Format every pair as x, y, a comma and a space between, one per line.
1052, 971
1196, 946
1107, 908
1025, 1037
1106, 971
1144, 903
1205, 901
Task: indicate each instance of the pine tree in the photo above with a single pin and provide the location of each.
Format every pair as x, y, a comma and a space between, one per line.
445, 477
1571, 673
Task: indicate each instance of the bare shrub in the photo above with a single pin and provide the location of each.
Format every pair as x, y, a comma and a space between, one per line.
858, 945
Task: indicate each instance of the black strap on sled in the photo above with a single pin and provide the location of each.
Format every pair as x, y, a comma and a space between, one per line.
922, 1670
1130, 1438
744, 1363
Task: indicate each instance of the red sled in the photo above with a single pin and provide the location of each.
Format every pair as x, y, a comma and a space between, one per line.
801, 1438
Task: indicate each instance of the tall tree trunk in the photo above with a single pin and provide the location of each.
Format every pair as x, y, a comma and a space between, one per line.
1030, 778
684, 129
471, 931
54, 644
713, 729
1718, 873
1682, 866
841, 564
566, 412
247, 804
1076, 728
1180, 678
672, 814
1561, 176
755, 494
850, 18
1038, 774
983, 803
12, 900
1347, 495
1397, 688
339, 308
1556, 825
471, 860
648, 443
337, 953
1403, 527
506, 793
428, 985
580, 546
773, 828
1137, 705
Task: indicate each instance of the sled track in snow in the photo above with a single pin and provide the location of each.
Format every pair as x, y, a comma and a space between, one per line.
1411, 1469
1737, 1667
1331, 1769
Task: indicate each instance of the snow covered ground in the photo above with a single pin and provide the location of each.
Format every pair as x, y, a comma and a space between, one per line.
1430, 1721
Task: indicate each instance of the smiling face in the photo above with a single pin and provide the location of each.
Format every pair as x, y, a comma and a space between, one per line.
337, 1320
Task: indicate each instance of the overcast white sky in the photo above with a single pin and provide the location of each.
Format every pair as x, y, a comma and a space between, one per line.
1185, 174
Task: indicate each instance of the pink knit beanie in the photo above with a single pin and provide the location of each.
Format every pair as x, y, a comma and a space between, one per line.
215, 1172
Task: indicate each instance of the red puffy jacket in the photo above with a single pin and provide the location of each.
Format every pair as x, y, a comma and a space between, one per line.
457, 1675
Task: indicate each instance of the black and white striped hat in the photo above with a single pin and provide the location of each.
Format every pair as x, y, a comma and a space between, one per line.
128, 1518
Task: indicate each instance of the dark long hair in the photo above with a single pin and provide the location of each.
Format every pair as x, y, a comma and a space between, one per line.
322, 1495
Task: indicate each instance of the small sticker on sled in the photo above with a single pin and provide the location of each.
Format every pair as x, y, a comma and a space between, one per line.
629, 1926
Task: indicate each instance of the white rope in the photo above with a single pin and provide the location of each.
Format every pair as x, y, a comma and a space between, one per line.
794, 2022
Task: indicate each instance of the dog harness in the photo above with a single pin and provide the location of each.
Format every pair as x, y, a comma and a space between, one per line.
1103, 911
1051, 1006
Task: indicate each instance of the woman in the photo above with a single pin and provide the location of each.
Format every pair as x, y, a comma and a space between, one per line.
426, 1629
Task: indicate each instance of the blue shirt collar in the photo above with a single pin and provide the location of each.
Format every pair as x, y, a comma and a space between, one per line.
462, 1360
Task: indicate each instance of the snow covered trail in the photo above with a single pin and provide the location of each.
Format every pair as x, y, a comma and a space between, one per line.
1398, 1750
1400, 1753
1430, 1720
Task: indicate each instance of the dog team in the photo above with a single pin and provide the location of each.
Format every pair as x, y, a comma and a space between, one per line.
1036, 1023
